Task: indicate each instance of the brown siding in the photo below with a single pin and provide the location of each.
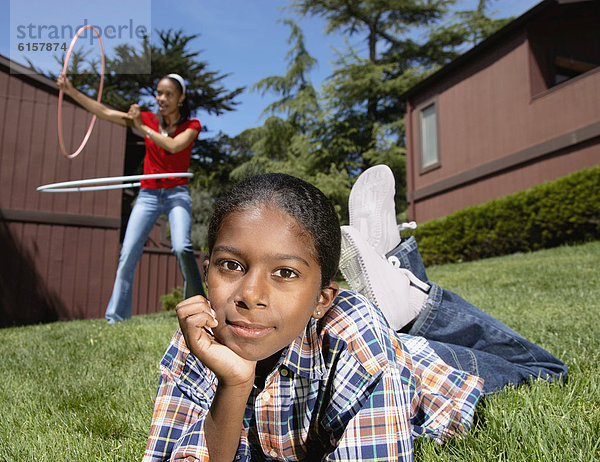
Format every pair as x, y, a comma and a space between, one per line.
507, 182
46, 272
154, 267
49, 267
488, 117
31, 157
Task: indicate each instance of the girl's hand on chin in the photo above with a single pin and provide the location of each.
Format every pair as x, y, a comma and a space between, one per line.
196, 318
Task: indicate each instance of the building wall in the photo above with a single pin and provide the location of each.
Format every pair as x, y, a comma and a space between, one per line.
508, 182
52, 272
497, 135
31, 156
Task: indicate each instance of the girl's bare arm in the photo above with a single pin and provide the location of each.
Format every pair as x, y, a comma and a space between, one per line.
93, 106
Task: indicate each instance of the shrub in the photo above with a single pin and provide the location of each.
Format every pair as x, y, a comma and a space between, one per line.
169, 301
563, 211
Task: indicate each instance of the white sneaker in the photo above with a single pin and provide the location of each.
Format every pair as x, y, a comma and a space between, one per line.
372, 208
398, 293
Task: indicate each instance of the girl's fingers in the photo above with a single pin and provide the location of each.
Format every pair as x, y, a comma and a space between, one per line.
197, 330
195, 302
62, 82
195, 312
197, 320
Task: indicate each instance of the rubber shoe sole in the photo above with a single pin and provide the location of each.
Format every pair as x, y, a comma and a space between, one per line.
372, 209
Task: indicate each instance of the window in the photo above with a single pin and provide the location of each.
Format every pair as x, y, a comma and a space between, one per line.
429, 137
565, 43
566, 67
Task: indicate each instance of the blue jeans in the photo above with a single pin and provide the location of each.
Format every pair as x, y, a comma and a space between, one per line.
466, 338
176, 203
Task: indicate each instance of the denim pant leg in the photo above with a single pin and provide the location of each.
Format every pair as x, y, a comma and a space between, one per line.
469, 339
144, 214
178, 205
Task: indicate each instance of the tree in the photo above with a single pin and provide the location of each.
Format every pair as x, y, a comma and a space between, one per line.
362, 98
469, 27
126, 81
299, 99
289, 141
358, 118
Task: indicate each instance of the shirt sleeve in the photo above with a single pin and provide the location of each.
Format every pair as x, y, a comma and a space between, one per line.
184, 395
422, 396
194, 124
445, 398
386, 390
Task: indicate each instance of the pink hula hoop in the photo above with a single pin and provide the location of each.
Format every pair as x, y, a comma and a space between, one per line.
60, 93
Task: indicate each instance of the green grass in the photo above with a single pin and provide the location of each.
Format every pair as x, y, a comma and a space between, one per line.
80, 390
553, 298
84, 390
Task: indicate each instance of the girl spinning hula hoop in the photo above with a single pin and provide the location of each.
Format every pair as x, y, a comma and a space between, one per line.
169, 137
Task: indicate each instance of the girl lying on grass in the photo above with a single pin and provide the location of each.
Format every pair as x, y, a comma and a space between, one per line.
281, 364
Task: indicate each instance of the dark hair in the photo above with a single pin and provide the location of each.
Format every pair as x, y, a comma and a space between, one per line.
301, 200
184, 110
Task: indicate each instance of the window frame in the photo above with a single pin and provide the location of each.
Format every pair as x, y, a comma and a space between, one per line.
419, 110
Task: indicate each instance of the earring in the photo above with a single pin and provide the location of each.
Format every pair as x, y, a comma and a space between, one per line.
318, 313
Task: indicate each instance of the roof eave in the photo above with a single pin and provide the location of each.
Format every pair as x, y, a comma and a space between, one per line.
489, 42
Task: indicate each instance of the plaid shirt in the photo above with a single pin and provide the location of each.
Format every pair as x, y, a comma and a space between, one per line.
348, 389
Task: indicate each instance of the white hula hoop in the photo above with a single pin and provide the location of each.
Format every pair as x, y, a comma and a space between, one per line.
84, 185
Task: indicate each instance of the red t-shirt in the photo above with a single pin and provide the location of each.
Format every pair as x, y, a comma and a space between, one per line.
157, 160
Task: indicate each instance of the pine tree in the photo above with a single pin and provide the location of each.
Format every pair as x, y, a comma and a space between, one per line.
124, 84
289, 141
403, 42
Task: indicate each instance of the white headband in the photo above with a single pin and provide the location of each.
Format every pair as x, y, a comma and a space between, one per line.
179, 79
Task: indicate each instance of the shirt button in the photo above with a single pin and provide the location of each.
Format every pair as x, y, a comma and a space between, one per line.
273, 453
284, 372
266, 396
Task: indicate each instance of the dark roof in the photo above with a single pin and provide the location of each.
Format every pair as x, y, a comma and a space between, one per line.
484, 45
26, 73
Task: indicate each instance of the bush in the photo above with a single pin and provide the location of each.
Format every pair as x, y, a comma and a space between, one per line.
558, 212
169, 301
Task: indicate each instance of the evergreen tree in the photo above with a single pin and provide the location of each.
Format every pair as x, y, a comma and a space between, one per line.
126, 81
289, 141
362, 98
299, 99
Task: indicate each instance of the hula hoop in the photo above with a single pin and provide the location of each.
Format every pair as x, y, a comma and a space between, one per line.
60, 93
69, 186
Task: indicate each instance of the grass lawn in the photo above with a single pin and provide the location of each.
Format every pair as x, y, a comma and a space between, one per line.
84, 390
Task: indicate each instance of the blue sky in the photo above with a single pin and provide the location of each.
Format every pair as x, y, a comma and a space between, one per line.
242, 38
